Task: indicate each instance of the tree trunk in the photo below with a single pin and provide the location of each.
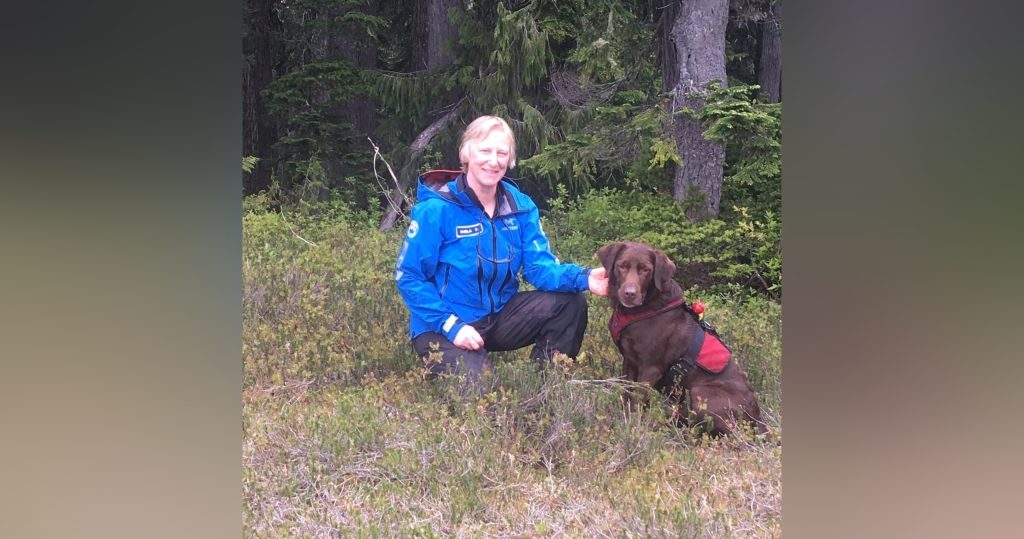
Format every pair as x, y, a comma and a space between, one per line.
440, 33
259, 131
770, 71
344, 42
697, 36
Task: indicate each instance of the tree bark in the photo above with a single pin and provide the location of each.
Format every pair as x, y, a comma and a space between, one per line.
770, 70
697, 39
259, 131
440, 33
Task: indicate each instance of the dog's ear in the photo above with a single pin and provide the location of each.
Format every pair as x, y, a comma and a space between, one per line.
664, 270
608, 254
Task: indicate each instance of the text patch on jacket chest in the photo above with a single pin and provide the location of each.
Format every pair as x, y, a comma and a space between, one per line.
510, 223
469, 230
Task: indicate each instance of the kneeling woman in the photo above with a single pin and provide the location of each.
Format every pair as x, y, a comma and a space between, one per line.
471, 236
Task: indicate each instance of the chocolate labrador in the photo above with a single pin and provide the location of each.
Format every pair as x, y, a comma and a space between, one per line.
664, 343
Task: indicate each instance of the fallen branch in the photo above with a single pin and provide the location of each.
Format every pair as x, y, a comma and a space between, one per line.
416, 149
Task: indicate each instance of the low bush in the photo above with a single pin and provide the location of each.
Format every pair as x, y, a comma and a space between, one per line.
342, 436
319, 300
720, 255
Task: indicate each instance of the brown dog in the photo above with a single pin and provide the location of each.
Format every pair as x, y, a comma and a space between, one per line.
664, 345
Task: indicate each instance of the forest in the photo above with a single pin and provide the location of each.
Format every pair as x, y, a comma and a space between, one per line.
616, 105
646, 121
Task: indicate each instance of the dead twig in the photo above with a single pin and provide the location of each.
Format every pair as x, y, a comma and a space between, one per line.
397, 208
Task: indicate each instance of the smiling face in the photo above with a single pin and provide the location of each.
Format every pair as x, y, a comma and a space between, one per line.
487, 160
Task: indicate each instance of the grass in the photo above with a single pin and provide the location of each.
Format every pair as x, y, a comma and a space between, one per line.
342, 437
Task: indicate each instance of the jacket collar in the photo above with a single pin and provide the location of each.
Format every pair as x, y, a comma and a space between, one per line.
505, 203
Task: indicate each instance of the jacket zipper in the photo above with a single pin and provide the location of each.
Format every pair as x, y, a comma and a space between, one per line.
494, 255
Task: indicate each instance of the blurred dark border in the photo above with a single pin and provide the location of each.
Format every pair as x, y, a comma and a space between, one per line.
121, 309
901, 203
121, 277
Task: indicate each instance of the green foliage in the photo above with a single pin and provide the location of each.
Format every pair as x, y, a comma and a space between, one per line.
341, 432
310, 98
622, 139
578, 80
316, 132
716, 254
319, 297
249, 163
567, 75
752, 133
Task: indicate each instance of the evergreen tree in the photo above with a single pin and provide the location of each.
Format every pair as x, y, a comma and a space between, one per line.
697, 41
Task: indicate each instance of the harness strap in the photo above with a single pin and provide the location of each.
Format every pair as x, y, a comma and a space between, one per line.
687, 360
620, 320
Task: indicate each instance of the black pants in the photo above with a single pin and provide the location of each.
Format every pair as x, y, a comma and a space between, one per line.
551, 321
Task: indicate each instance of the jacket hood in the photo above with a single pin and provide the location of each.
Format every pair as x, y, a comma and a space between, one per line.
450, 185
438, 184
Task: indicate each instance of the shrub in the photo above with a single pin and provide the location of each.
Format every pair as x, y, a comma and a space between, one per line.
712, 254
319, 300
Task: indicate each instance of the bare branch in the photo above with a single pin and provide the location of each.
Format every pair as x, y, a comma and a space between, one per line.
398, 188
296, 234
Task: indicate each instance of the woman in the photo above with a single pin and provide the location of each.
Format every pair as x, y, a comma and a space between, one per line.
471, 235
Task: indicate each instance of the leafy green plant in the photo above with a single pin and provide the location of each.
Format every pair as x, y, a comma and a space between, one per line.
319, 300
249, 163
752, 133
743, 251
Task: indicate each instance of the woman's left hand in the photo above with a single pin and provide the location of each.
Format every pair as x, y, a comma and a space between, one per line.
598, 281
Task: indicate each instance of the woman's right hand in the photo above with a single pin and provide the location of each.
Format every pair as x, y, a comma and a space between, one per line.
468, 338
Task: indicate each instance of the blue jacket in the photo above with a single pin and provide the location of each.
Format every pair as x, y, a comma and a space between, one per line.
458, 265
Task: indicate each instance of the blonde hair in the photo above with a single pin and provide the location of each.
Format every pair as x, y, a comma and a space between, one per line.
478, 130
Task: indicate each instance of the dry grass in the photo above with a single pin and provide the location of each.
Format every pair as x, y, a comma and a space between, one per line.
402, 457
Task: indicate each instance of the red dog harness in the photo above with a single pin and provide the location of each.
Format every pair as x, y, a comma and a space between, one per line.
712, 354
620, 319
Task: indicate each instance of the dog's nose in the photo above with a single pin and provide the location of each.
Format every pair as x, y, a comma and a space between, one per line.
629, 293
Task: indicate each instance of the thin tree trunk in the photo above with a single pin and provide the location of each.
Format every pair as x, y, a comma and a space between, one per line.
770, 70
698, 37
